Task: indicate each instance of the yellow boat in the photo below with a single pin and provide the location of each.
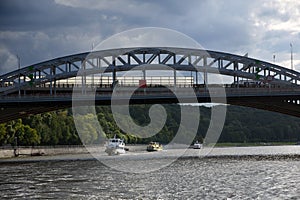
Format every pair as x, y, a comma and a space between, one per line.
154, 146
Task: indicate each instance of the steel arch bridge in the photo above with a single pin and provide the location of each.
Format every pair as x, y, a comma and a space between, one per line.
279, 91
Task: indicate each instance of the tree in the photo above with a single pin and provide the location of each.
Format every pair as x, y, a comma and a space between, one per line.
88, 132
25, 134
3, 134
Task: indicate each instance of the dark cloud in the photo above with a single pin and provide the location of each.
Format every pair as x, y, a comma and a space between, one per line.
35, 15
40, 30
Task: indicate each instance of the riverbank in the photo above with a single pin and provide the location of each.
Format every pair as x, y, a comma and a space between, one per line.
138, 152
25, 151
9, 152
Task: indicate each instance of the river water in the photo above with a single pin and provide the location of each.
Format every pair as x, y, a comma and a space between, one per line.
189, 177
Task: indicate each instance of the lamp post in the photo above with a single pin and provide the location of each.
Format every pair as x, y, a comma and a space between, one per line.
16, 150
292, 66
19, 78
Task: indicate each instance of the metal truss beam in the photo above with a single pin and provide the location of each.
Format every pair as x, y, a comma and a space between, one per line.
115, 60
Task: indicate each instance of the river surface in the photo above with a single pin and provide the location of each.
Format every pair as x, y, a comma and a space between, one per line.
189, 177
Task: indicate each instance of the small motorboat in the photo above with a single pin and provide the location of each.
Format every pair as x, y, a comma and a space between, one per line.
154, 146
115, 146
197, 145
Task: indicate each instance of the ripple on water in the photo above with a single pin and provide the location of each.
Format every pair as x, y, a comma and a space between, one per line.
188, 178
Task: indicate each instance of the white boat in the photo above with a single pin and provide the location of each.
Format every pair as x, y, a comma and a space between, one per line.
197, 145
115, 146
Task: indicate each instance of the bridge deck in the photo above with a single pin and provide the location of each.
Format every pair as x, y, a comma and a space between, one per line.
282, 100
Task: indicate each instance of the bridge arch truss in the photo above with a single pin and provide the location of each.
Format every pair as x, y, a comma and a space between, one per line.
115, 60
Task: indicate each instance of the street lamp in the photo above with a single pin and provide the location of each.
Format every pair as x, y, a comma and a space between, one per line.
19, 78
292, 65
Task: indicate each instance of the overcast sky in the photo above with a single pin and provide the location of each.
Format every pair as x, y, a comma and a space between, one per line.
38, 30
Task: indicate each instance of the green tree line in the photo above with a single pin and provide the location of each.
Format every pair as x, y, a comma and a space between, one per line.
58, 127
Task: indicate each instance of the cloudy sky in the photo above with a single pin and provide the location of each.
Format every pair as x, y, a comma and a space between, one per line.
38, 30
